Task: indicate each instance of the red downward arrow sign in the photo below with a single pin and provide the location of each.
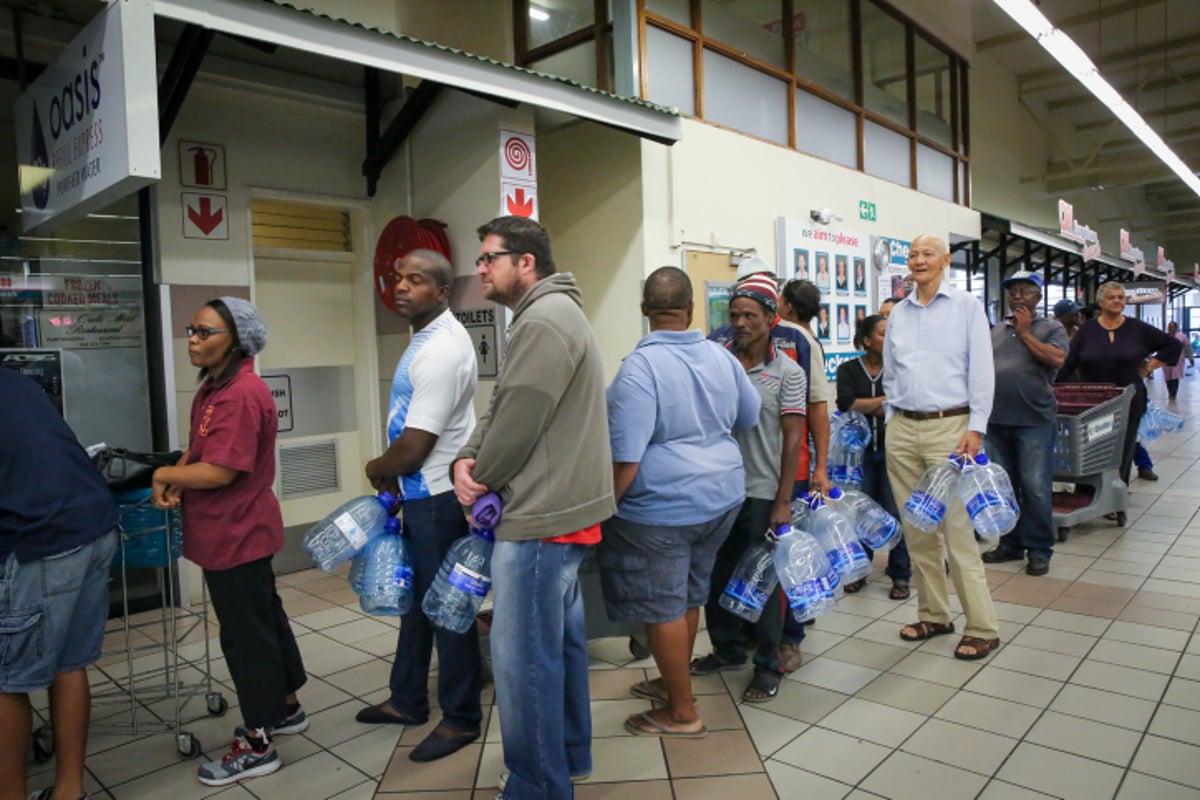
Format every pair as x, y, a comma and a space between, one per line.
518, 205
205, 219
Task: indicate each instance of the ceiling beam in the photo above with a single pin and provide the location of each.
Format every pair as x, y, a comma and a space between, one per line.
1151, 216
1126, 90
1068, 22
1048, 77
1174, 138
1162, 113
1104, 162
1167, 226
1115, 179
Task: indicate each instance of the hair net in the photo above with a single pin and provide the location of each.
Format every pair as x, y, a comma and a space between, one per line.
251, 329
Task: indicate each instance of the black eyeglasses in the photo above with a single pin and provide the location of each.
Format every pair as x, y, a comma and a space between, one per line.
202, 333
488, 258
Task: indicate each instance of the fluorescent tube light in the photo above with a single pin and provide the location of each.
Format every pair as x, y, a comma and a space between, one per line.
540, 14
1066, 52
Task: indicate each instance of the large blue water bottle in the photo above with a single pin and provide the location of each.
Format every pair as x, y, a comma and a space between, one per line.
387, 575
342, 534
836, 464
835, 533
752, 582
465, 576
875, 527
988, 495
809, 582
926, 506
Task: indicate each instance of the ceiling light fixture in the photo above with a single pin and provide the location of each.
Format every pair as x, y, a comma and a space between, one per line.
1066, 52
540, 14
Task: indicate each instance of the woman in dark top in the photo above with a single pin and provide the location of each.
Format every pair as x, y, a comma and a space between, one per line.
1114, 348
860, 388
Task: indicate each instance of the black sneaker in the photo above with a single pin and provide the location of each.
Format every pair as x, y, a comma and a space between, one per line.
296, 722
1147, 475
1000, 555
1037, 566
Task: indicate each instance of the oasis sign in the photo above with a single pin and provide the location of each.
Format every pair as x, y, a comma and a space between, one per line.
87, 128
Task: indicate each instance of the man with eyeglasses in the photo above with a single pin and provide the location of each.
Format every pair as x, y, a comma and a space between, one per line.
1027, 349
430, 416
544, 446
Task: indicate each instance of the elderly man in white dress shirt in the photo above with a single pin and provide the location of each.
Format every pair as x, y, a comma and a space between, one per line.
938, 379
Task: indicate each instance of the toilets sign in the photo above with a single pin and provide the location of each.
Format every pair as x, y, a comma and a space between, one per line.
87, 128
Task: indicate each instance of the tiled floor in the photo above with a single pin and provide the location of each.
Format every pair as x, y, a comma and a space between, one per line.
1095, 694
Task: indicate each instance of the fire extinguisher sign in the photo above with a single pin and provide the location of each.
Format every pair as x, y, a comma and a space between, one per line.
201, 165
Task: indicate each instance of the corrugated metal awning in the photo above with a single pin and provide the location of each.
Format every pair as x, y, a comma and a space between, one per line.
286, 26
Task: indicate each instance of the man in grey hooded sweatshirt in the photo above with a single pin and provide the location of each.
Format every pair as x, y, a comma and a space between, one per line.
544, 446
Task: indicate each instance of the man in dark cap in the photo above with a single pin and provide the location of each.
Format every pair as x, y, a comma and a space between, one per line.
770, 453
1067, 312
1027, 350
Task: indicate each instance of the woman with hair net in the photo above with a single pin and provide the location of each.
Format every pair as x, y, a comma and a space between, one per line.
233, 527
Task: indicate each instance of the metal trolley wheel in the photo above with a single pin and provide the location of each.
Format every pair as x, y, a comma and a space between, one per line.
217, 704
43, 744
188, 744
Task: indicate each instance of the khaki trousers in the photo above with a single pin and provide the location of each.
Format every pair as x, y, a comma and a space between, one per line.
912, 447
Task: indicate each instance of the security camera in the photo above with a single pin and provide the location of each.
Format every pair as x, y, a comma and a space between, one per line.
824, 216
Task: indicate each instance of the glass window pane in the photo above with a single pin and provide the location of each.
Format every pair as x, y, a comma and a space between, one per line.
675, 10
577, 63
821, 36
886, 154
826, 130
935, 173
550, 20
885, 88
670, 74
933, 92
743, 98
754, 28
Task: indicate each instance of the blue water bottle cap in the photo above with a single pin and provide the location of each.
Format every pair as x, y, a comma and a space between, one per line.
835, 493
487, 534
391, 526
981, 459
814, 500
783, 530
389, 501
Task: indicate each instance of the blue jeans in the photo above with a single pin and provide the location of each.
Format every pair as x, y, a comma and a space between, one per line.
432, 525
1027, 454
540, 662
1141, 457
877, 487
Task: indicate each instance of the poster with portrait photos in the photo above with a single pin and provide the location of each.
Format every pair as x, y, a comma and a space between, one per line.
860, 313
839, 263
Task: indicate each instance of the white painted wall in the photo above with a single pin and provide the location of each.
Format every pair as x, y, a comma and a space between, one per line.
590, 184
722, 188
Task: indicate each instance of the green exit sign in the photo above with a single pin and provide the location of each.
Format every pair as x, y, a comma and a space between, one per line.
866, 211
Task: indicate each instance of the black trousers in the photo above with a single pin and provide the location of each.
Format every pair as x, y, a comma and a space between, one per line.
1136, 411
727, 630
256, 638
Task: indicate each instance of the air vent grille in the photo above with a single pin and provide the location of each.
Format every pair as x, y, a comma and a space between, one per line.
308, 469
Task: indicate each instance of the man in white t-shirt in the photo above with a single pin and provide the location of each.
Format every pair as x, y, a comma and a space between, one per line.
430, 417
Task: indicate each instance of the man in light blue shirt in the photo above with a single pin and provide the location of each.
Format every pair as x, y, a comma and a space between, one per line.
938, 379
679, 483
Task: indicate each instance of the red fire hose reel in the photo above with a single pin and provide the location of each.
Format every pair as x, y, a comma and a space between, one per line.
400, 237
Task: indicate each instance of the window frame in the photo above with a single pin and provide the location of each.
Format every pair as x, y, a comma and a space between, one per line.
958, 151
597, 32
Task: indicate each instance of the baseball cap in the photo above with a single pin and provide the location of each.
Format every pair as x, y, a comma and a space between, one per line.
1023, 275
752, 266
1066, 306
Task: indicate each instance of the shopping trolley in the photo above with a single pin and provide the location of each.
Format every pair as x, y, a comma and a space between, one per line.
152, 668
1088, 444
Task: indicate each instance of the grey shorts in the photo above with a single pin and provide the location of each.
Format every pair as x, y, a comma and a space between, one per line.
52, 614
655, 573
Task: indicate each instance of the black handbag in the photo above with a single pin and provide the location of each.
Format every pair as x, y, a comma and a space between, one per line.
124, 470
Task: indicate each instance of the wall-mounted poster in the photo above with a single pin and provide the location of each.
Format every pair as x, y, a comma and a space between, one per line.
841, 275
860, 313
823, 322
844, 330
716, 296
822, 277
800, 265
860, 277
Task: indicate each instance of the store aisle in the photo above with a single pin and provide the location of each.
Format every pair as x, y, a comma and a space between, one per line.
1095, 693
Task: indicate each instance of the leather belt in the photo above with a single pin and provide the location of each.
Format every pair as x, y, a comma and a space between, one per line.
924, 415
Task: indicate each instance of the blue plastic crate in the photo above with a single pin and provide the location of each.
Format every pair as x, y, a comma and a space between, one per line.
150, 536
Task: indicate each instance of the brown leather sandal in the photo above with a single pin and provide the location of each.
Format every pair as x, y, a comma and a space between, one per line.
925, 630
981, 648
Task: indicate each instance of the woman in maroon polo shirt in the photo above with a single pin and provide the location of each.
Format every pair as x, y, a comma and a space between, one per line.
233, 526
